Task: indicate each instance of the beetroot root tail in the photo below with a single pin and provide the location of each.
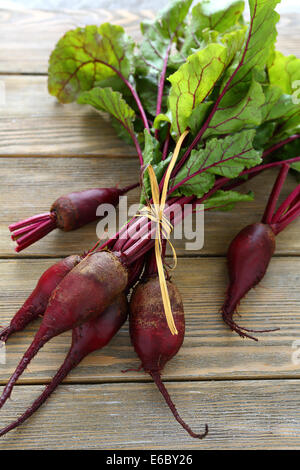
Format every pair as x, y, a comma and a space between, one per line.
157, 379
33, 349
241, 331
66, 367
5, 333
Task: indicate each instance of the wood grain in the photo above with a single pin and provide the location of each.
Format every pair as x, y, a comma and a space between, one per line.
27, 37
30, 185
99, 407
240, 414
30, 35
33, 123
210, 350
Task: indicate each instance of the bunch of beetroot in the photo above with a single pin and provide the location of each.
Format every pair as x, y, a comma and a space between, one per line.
208, 103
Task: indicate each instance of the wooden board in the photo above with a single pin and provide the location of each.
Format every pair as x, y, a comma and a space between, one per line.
30, 35
115, 410
240, 414
33, 123
210, 349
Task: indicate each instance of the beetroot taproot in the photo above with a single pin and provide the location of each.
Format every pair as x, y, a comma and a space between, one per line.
151, 337
86, 291
86, 338
37, 302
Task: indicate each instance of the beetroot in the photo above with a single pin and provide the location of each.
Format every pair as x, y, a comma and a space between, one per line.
86, 338
251, 251
248, 258
67, 213
151, 337
37, 302
85, 292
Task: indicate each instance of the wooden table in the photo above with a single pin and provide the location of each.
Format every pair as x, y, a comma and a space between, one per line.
248, 393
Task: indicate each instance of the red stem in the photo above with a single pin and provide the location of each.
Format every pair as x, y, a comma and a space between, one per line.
35, 234
222, 181
129, 188
138, 148
272, 202
285, 221
285, 205
166, 144
280, 144
29, 221
21, 231
161, 387
140, 247
162, 82
137, 100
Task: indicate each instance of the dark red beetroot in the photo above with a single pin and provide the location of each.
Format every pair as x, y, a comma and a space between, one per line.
150, 335
83, 294
67, 213
37, 302
248, 258
86, 338
251, 250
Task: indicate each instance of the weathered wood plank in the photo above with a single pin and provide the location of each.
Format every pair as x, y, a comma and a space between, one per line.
30, 185
33, 123
210, 350
240, 414
27, 37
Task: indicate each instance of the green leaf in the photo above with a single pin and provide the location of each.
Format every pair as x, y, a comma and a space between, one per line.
290, 150
277, 104
198, 116
284, 72
121, 131
147, 91
105, 99
246, 111
151, 153
226, 157
260, 41
171, 17
226, 200
264, 134
159, 34
218, 16
87, 55
193, 82
159, 170
161, 118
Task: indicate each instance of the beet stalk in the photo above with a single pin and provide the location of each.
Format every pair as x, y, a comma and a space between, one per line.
91, 336
67, 213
